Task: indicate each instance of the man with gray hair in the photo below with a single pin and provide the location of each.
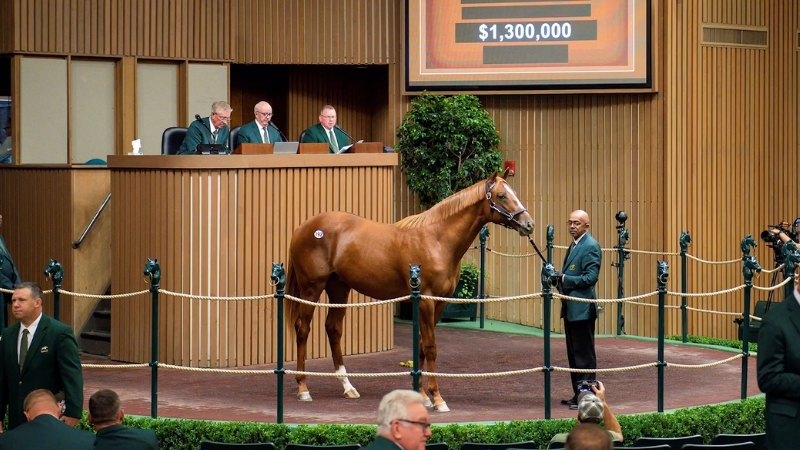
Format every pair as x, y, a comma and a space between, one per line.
402, 421
208, 130
259, 131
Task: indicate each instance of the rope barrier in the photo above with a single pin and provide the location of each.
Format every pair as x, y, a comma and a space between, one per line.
704, 366
772, 288
705, 294
98, 296
774, 270
347, 305
11, 291
646, 252
724, 313
730, 261
209, 297
114, 366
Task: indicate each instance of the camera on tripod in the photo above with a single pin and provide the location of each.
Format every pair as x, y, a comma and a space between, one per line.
774, 241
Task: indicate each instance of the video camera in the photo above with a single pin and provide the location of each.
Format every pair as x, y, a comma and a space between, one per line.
586, 385
774, 241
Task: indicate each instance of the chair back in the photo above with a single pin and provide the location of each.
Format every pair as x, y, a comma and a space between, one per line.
302, 136
675, 443
759, 439
211, 445
436, 446
323, 447
232, 138
649, 447
172, 139
527, 445
735, 446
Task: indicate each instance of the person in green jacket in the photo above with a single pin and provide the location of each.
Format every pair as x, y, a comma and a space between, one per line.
403, 421
43, 430
106, 415
8, 275
259, 131
208, 130
326, 131
38, 352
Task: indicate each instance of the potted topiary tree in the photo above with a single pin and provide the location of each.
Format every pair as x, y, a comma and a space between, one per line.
448, 143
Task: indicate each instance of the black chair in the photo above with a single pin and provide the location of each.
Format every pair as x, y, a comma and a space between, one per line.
759, 439
736, 446
210, 445
650, 447
527, 445
675, 443
302, 135
172, 139
436, 446
232, 138
322, 447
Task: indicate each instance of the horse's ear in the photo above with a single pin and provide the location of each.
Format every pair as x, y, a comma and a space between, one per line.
505, 172
493, 177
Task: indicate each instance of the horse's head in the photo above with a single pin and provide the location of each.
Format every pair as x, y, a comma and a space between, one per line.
503, 200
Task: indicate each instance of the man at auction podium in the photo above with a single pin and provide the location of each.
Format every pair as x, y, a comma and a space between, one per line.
208, 130
326, 131
259, 131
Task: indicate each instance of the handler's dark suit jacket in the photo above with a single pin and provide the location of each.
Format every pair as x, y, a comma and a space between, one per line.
52, 363
119, 437
581, 271
8, 271
198, 134
46, 432
779, 373
252, 134
381, 443
317, 133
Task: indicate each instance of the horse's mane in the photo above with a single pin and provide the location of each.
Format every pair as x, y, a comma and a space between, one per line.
447, 207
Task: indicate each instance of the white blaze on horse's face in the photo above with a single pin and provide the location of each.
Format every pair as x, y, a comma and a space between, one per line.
506, 198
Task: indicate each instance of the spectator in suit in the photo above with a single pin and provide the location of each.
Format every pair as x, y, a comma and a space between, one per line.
8, 274
43, 430
778, 369
38, 352
326, 132
588, 436
106, 416
209, 130
259, 131
403, 422
579, 276
5, 148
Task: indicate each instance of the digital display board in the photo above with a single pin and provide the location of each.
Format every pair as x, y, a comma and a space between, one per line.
527, 44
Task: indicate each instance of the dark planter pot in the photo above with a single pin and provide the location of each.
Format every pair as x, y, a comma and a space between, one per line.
452, 310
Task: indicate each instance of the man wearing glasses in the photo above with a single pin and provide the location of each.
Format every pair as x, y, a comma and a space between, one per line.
403, 422
259, 131
326, 131
208, 130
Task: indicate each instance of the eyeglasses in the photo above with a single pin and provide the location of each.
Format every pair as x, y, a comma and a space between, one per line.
423, 425
265, 114
223, 118
329, 117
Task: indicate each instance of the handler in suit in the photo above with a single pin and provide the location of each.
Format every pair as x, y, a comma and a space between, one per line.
8, 275
210, 130
106, 415
403, 422
325, 132
38, 353
779, 370
259, 131
578, 278
44, 430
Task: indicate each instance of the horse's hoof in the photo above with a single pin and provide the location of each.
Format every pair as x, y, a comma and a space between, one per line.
427, 403
352, 393
304, 397
441, 407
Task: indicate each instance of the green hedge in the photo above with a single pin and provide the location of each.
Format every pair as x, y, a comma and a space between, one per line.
746, 416
715, 341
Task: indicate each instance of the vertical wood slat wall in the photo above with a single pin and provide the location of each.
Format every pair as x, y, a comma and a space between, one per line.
219, 230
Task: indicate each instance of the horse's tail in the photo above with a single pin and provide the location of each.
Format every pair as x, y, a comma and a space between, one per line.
292, 288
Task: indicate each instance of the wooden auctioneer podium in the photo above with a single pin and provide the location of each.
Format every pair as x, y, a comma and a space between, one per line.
307, 149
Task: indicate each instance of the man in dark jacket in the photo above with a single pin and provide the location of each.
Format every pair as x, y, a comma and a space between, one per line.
106, 415
403, 422
208, 130
8, 275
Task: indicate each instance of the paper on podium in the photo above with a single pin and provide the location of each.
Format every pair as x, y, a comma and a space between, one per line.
137, 147
347, 148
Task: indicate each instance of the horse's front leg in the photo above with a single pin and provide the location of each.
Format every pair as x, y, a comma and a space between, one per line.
428, 347
302, 327
334, 324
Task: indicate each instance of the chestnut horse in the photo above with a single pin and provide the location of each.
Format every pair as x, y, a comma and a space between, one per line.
337, 252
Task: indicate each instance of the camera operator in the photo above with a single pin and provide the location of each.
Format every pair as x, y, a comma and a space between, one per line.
779, 368
592, 408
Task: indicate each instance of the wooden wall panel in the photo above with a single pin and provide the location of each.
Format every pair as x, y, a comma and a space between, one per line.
216, 232
7, 27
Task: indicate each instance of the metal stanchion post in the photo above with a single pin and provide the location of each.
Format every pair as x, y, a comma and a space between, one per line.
685, 240
415, 297
750, 267
55, 272
791, 258
622, 255
483, 235
548, 280
279, 278
662, 275
153, 270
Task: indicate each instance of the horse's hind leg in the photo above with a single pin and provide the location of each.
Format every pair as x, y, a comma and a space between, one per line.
430, 313
302, 327
334, 326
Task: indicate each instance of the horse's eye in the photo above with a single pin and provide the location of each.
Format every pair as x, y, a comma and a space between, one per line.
502, 196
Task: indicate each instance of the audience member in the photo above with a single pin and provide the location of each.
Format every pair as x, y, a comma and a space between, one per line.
106, 415
259, 131
208, 130
43, 429
38, 352
326, 132
588, 436
592, 408
581, 271
8, 275
403, 422
6, 155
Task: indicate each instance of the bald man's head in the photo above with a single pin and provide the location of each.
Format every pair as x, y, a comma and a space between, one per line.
588, 436
578, 223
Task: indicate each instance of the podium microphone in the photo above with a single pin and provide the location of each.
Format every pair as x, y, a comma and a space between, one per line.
285, 139
345, 132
